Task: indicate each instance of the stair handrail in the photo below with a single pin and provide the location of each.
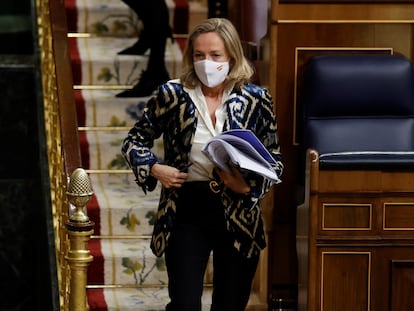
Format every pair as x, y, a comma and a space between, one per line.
61, 128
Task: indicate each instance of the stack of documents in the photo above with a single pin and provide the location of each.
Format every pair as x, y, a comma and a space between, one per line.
243, 149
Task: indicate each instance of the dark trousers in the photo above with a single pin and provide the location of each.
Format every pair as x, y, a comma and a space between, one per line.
199, 230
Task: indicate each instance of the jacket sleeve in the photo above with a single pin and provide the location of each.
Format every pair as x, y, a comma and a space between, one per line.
136, 147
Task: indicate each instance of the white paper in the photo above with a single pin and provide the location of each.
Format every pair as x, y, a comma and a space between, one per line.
243, 149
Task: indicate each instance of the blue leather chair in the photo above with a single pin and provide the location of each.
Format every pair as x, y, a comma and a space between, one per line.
357, 218
359, 111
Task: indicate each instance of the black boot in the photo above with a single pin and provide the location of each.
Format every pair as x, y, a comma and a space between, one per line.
148, 83
140, 47
156, 72
143, 44
155, 19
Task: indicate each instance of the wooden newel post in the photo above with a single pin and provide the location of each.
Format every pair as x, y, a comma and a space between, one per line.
80, 228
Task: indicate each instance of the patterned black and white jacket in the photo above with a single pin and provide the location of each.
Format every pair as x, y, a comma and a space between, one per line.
172, 113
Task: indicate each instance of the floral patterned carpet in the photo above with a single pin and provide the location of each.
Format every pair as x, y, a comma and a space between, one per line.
124, 275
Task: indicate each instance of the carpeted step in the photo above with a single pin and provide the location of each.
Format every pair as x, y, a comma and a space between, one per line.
95, 61
148, 299
115, 18
120, 207
105, 149
100, 108
135, 299
101, 148
127, 261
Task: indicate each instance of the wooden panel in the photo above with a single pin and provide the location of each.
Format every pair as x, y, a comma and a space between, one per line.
399, 181
351, 12
345, 216
402, 285
366, 181
349, 181
345, 281
398, 216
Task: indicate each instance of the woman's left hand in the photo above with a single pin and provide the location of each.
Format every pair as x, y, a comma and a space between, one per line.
234, 180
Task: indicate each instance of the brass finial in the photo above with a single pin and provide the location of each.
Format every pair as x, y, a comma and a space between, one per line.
79, 194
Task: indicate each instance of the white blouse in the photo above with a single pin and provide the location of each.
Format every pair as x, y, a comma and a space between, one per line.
202, 168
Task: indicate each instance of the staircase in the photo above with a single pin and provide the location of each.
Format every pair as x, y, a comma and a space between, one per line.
124, 274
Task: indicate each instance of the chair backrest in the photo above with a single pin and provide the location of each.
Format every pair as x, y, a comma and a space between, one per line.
359, 110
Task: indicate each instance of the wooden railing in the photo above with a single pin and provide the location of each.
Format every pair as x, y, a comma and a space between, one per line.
60, 124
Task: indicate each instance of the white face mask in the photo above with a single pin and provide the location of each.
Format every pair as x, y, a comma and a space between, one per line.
211, 73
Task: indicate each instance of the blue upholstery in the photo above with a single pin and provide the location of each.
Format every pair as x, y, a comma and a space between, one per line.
359, 110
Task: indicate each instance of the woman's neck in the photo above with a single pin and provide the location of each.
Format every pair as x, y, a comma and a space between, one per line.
213, 92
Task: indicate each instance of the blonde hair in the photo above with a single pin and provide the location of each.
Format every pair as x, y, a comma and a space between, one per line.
240, 69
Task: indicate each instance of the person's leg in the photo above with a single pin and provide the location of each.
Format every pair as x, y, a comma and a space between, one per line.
155, 19
186, 258
155, 74
143, 43
232, 277
156, 32
199, 221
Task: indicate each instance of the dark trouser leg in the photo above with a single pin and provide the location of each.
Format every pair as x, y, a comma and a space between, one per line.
155, 74
186, 259
199, 222
200, 229
233, 276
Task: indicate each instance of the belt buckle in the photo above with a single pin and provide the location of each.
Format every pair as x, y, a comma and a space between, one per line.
215, 187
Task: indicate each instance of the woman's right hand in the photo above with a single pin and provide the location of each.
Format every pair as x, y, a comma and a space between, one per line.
234, 180
168, 176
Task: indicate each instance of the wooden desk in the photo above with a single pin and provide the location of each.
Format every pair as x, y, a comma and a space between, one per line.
355, 240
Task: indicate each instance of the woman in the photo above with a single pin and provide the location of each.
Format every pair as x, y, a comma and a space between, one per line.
202, 209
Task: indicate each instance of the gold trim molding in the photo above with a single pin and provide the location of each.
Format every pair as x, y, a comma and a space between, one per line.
384, 216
